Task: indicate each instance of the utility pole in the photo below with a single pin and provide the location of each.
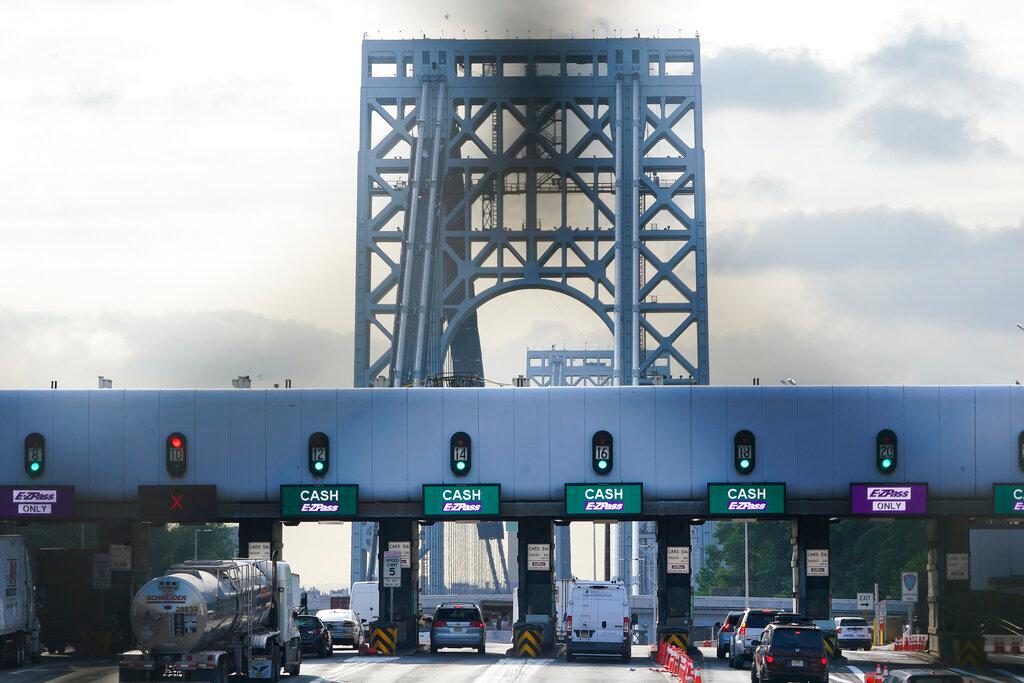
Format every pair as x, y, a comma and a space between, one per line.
746, 567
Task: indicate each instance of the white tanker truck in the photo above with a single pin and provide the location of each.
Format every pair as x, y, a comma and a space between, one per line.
209, 619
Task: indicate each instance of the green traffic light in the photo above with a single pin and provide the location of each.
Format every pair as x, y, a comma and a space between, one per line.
460, 465
34, 467
886, 464
318, 466
602, 464
744, 464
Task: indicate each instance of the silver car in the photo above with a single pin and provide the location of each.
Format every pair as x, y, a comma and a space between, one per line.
344, 625
458, 625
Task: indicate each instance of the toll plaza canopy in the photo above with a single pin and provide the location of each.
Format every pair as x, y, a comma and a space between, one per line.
813, 450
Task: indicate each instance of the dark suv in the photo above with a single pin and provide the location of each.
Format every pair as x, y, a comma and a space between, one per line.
314, 636
790, 653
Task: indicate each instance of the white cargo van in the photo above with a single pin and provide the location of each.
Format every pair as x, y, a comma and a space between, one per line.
19, 627
597, 621
364, 601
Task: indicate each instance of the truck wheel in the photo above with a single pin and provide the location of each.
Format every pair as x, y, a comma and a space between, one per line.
220, 674
293, 670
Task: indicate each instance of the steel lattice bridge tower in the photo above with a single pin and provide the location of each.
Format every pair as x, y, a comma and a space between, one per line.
490, 166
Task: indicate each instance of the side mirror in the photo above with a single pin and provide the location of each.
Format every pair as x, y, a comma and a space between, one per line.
718, 625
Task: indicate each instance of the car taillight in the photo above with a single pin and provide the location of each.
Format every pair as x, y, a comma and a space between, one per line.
769, 658
476, 624
727, 628
839, 629
440, 623
824, 660
625, 623
743, 629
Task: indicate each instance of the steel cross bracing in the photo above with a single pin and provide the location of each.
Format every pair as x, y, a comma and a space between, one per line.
487, 167
580, 367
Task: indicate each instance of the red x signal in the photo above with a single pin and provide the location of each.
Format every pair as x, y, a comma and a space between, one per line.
176, 502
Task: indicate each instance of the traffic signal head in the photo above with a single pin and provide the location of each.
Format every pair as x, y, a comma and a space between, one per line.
744, 457
35, 455
177, 454
460, 454
885, 451
319, 453
602, 454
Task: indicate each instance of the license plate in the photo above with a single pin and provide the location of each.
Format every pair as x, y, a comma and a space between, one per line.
459, 629
796, 662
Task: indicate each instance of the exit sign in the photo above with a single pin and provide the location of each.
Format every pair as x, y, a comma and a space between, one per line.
604, 500
746, 500
1008, 499
470, 501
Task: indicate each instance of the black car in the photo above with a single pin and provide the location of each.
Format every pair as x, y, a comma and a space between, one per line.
790, 653
314, 636
791, 619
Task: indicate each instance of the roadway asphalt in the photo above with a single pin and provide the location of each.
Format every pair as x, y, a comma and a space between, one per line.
453, 666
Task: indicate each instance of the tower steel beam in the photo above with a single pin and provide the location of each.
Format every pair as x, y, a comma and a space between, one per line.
530, 186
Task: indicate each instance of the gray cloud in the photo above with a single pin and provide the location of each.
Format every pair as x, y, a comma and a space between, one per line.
181, 349
747, 78
910, 133
887, 266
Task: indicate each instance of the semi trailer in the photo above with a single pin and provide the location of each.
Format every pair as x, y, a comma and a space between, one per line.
19, 627
206, 620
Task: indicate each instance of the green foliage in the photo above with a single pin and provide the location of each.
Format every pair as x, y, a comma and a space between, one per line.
770, 553
866, 551
176, 543
862, 552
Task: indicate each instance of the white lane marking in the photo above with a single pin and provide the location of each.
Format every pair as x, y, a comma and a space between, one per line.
1010, 674
511, 669
856, 672
969, 674
348, 667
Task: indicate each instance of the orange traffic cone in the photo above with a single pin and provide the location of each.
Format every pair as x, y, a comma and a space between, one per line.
696, 676
885, 672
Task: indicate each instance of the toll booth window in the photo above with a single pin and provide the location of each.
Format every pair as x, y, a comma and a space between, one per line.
787, 637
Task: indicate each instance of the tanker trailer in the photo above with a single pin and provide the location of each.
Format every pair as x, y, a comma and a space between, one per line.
208, 619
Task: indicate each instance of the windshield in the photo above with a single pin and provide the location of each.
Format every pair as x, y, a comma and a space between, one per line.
853, 622
732, 619
306, 622
457, 614
791, 637
759, 619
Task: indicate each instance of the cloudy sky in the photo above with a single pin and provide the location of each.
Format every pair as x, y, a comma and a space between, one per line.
177, 194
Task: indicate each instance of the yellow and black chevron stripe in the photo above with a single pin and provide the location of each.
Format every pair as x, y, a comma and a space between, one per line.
680, 640
384, 638
969, 653
830, 646
528, 643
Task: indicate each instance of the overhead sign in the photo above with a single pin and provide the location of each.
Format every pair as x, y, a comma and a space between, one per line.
889, 500
177, 503
817, 562
327, 501
120, 558
101, 571
538, 557
259, 550
392, 573
908, 586
467, 500
596, 500
866, 602
958, 566
746, 500
1009, 499
37, 502
677, 559
405, 549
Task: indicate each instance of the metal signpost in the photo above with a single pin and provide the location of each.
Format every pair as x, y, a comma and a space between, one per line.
889, 501
746, 500
392, 575
908, 587
596, 500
